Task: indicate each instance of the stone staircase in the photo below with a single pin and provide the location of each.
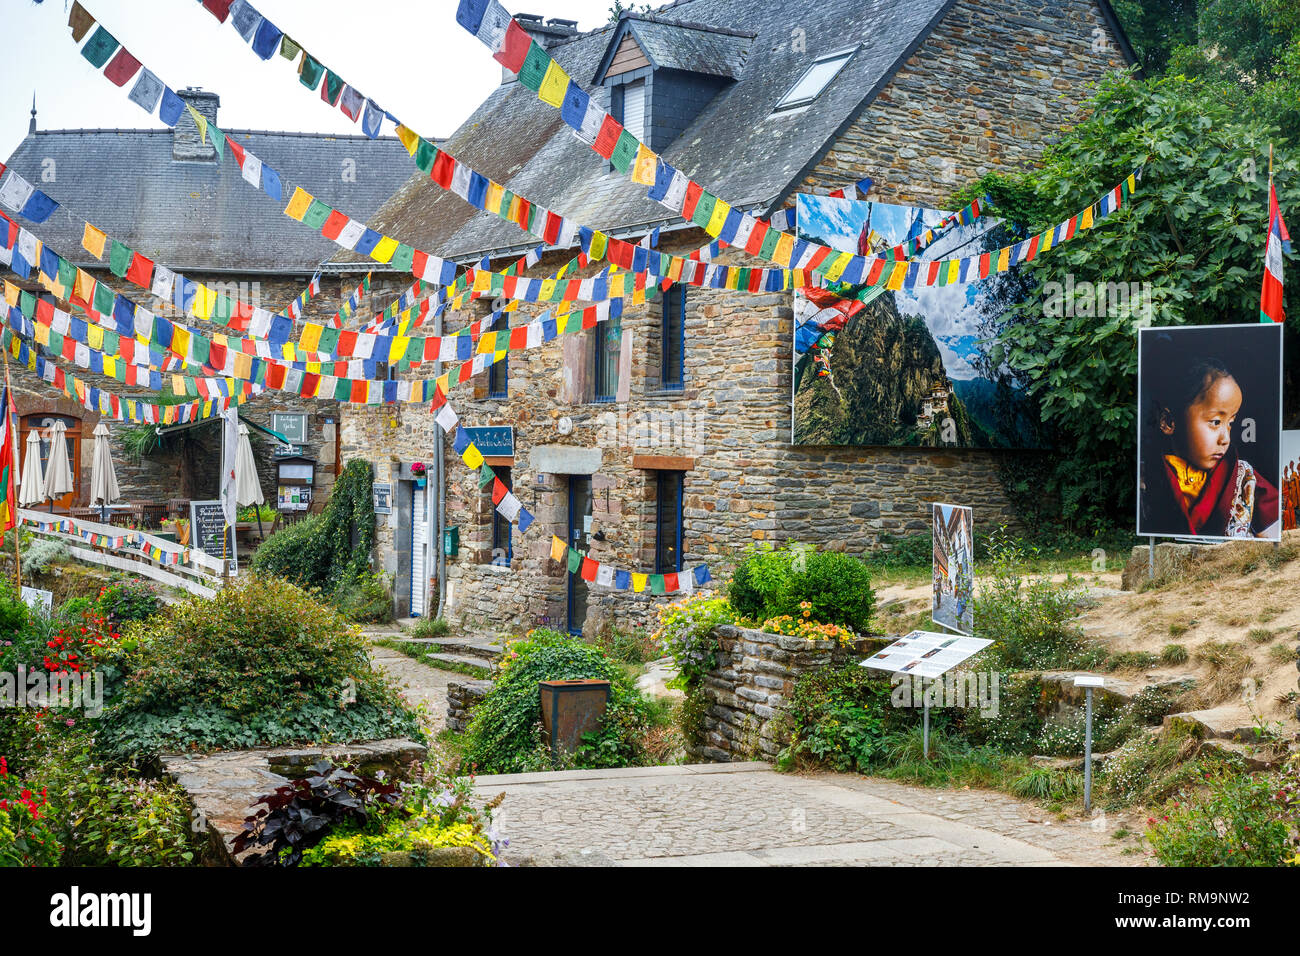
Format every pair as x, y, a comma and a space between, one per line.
473, 656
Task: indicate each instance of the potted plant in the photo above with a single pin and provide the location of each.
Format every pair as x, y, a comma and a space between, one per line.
418, 473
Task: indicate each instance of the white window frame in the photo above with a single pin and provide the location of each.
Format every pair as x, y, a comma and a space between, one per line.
788, 102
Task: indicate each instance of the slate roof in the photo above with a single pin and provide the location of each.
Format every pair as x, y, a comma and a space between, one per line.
735, 148
202, 216
694, 47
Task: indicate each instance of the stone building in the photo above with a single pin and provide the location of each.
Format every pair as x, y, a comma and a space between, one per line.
663, 441
164, 193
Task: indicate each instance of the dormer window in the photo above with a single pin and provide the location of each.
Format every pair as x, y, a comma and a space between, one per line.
631, 104
815, 79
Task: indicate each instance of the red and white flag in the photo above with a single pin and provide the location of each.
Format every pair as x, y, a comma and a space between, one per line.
1279, 240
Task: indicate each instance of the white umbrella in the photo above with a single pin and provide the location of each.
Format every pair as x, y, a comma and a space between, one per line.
248, 490
32, 489
58, 474
103, 478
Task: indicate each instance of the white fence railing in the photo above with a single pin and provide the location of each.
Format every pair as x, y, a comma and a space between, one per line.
135, 552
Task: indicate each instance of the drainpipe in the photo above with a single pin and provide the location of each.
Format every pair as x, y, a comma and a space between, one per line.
440, 493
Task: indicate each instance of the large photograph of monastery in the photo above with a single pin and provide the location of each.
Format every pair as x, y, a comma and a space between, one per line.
916, 366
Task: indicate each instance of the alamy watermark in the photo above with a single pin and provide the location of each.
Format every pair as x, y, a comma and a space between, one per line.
38, 689
956, 689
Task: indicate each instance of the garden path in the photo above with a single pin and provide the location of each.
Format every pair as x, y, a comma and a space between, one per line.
419, 683
746, 814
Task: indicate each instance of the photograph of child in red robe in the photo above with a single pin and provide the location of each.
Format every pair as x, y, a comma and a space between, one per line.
1209, 431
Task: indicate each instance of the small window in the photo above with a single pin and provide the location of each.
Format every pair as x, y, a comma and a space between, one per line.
502, 547
608, 339
668, 521
815, 79
499, 378
672, 337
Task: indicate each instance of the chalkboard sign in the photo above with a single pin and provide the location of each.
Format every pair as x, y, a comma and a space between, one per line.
208, 528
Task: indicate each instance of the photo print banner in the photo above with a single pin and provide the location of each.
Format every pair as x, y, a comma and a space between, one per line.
1210, 432
953, 569
905, 363
1290, 480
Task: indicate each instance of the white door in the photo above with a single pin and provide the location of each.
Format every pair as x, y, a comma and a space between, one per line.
634, 108
419, 538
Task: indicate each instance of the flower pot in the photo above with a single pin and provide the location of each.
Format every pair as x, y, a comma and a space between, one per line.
571, 708
419, 482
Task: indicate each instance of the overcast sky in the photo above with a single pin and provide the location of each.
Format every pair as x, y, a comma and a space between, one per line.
410, 56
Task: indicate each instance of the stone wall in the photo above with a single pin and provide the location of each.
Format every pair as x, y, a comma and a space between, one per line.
748, 690
462, 696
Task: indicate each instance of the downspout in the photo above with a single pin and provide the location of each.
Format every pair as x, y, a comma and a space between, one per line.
439, 496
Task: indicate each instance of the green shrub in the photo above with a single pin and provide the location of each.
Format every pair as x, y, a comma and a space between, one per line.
686, 635
261, 663
1232, 819
295, 553
504, 735
1032, 623
838, 717
365, 598
431, 627
1174, 654
73, 608
771, 583
908, 551
128, 601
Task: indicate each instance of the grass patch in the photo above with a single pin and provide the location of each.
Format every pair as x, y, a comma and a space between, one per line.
1178, 629
1268, 614
1260, 635
1174, 654
424, 654
430, 627
1228, 663
1282, 653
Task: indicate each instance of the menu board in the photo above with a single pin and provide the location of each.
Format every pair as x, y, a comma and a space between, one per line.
926, 653
209, 531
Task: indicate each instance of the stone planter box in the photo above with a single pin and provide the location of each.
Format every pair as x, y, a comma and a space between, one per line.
748, 690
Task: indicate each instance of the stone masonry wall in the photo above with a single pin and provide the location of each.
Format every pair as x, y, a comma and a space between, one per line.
748, 690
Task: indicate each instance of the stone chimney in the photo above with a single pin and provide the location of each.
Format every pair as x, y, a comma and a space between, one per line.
186, 145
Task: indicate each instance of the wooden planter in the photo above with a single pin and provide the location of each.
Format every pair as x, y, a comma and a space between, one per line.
571, 708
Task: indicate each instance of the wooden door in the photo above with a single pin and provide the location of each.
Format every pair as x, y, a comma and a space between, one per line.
42, 424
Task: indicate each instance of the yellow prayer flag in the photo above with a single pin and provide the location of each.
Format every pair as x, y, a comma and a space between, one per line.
487, 343
85, 286
93, 241
243, 365
554, 83
410, 139
1085, 221
561, 323
205, 300
473, 457
784, 248
954, 271
492, 202
598, 244
838, 265
675, 268
482, 280
547, 293
558, 548
200, 121
110, 366
1004, 260
719, 218
397, 349
384, 249
645, 166
1045, 240
95, 337
617, 285
312, 368
299, 204
178, 384
310, 337
180, 341
638, 582
11, 294
42, 334
896, 277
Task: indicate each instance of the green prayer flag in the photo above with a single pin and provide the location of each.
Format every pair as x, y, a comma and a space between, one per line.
624, 153
316, 214
103, 299
414, 350
27, 303
218, 140
200, 348
56, 343
329, 338
111, 342
222, 309
99, 47
310, 72
704, 209
333, 86
119, 259
535, 65
343, 390
67, 273
403, 258
485, 476
288, 49
770, 239
191, 389
656, 584
575, 561
425, 154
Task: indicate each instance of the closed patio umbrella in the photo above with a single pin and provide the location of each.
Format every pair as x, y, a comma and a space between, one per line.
31, 491
58, 474
103, 477
248, 490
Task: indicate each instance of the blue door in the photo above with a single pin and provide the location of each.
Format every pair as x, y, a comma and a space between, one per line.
579, 528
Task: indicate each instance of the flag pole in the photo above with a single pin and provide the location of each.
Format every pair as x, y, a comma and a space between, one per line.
9, 427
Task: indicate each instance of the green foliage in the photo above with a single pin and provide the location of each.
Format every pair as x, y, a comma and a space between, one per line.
1031, 622
365, 598
838, 718
430, 627
260, 663
1174, 654
128, 601
40, 553
1193, 231
773, 582
1155, 28
505, 732
332, 550
686, 635
1232, 819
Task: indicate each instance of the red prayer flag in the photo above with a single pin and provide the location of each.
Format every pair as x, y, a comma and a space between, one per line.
218, 8
122, 67
498, 491
610, 130
515, 50
140, 272
589, 569
670, 582
334, 224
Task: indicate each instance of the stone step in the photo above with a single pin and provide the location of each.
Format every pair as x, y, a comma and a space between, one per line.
477, 666
473, 648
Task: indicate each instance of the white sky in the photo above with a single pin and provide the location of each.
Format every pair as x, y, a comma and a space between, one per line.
410, 56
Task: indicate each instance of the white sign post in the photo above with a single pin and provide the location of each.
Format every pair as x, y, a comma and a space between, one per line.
925, 654
1088, 682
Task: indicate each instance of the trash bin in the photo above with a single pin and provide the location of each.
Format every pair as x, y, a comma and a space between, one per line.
571, 708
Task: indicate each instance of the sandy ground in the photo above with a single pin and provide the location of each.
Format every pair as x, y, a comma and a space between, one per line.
1243, 595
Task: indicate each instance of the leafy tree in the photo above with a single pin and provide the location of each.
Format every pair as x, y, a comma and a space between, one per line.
1193, 231
1155, 28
